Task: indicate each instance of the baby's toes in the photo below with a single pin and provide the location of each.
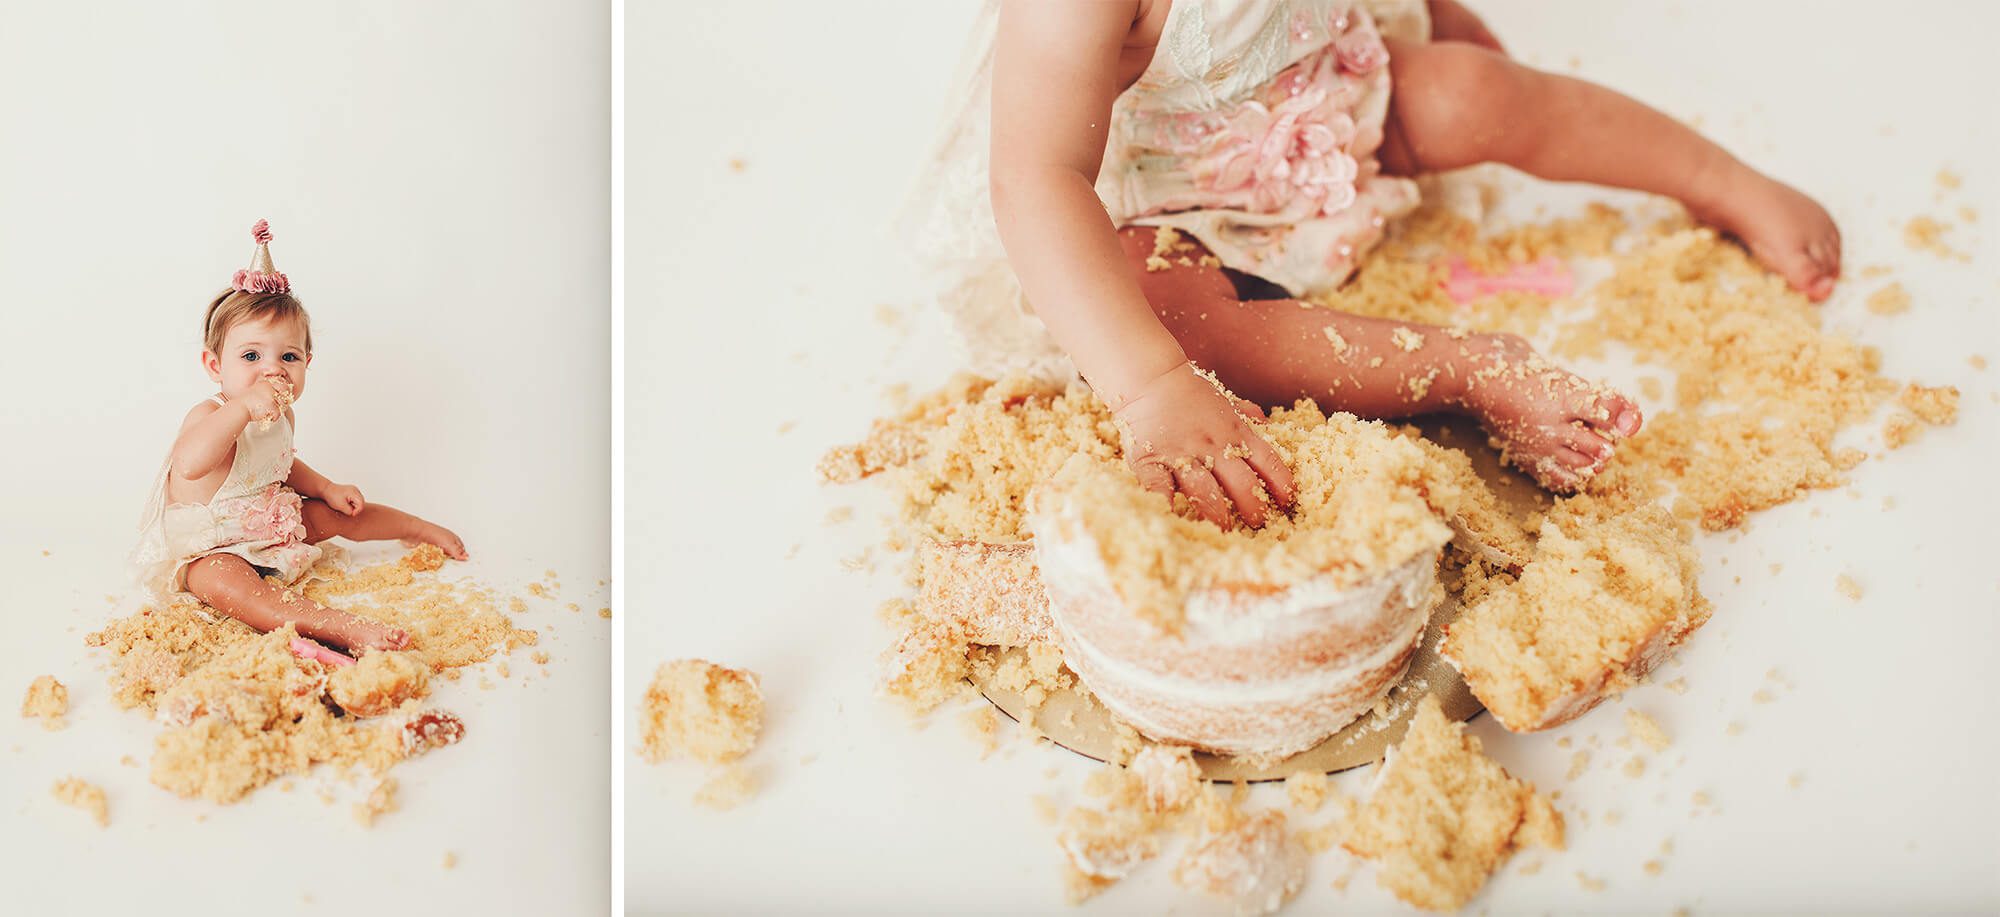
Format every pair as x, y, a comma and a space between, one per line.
1561, 471
1589, 443
1612, 415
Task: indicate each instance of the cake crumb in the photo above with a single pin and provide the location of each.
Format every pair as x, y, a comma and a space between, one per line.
1647, 730
1256, 865
1936, 405
1890, 300
728, 789
1653, 867
697, 708
1925, 234
984, 725
424, 558
1796, 780
381, 801
1578, 763
48, 699
450, 860
1678, 686
1589, 884
1847, 586
1635, 768
1406, 340
1734, 728
1307, 789
82, 794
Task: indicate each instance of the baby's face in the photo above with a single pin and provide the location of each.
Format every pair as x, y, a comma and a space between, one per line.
261, 348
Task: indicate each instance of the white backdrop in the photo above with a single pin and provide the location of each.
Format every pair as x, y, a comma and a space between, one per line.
752, 303
437, 177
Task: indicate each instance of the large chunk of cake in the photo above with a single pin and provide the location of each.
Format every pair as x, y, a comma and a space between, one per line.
379, 682
1610, 591
1442, 815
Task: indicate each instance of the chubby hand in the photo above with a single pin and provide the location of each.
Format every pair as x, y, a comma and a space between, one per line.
1184, 433
266, 399
343, 497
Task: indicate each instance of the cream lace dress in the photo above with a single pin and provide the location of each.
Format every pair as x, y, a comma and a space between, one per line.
1254, 129
253, 515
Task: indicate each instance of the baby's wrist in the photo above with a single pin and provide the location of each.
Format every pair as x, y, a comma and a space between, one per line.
1121, 388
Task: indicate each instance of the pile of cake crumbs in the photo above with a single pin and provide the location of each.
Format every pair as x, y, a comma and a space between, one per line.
694, 708
1562, 612
1442, 816
1252, 861
241, 709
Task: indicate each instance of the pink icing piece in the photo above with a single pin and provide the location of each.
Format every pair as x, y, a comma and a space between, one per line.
307, 649
1547, 277
261, 232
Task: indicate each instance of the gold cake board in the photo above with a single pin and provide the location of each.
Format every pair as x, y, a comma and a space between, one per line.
1075, 720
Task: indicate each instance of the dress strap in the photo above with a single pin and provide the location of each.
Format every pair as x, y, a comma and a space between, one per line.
218, 399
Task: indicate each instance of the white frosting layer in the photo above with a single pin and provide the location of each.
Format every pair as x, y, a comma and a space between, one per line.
1249, 693
1071, 561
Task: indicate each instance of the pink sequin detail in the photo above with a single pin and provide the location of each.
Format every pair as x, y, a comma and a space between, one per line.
250, 281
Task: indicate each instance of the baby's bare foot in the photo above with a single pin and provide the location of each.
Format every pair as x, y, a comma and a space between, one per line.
1786, 231
358, 633
1547, 421
432, 533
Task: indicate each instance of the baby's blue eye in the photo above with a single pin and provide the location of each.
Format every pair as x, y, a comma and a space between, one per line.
290, 358
249, 356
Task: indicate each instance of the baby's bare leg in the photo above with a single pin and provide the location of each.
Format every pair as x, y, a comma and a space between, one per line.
1553, 425
376, 522
228, 584
1457, 105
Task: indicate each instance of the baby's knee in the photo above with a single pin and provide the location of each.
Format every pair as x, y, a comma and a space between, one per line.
218, 576
1455, 102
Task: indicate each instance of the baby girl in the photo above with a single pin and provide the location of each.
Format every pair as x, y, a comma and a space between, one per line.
1265, 145
234, 505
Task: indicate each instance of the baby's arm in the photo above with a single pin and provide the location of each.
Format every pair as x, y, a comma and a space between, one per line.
207, 440
310, 483
1055, 77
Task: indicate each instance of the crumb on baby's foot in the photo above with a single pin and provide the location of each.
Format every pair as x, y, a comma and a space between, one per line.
430, 533
1552, 424
358, 633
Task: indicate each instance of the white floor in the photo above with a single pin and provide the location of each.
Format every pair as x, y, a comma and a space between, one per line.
436, 178
753, 305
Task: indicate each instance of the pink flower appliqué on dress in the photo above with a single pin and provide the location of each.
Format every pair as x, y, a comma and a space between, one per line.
1293, 151
277, 517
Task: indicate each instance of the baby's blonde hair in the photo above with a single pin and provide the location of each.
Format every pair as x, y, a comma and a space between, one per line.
234, 307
